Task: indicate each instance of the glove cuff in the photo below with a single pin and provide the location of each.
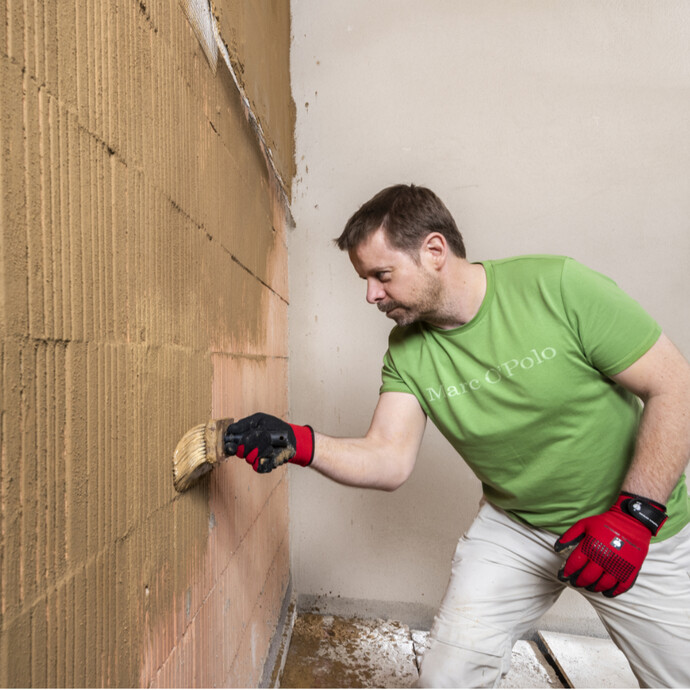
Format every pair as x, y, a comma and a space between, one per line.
645, 510
304, 445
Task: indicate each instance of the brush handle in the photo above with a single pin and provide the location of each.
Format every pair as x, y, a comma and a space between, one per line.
278, 440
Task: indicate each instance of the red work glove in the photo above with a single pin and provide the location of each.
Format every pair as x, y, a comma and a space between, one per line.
267, 442
610, 548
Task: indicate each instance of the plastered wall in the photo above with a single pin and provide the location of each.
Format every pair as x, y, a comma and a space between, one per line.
546, 127
143, 290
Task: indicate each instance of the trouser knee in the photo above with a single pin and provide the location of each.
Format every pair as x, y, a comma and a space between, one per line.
450, 666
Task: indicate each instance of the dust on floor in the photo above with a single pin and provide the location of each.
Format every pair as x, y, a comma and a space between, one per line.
334, 652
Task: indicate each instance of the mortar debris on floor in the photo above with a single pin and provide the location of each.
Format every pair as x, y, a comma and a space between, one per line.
335, 652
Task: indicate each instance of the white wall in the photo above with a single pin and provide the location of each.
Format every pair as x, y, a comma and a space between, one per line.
546, 127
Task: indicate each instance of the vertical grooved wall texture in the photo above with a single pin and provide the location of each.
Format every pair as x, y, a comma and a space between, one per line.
143, 290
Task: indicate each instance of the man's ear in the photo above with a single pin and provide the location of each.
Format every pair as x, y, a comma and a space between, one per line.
435, 249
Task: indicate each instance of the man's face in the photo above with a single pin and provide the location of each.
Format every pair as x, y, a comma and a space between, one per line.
405, 290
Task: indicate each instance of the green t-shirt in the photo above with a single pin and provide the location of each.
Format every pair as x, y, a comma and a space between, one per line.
523, 391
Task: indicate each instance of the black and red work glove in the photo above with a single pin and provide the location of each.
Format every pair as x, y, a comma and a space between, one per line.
267, 442
610, 547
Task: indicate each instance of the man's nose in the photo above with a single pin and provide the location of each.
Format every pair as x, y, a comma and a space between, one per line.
375, 291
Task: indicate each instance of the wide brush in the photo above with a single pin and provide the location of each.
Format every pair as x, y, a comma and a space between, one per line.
198, 452
203, 447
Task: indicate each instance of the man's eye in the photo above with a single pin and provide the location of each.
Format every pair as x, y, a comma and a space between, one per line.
383, 276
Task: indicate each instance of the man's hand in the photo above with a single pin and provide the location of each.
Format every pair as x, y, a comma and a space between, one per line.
267, 442
611, 547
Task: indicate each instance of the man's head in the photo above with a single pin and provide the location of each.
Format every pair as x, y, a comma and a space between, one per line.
407, 214
405, 288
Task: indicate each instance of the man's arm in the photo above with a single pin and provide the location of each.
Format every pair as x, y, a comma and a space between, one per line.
609, 549
661, 378
385, 457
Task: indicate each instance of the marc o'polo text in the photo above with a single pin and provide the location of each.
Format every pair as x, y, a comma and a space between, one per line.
493, 375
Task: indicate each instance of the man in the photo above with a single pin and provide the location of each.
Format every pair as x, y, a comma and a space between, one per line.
534, 369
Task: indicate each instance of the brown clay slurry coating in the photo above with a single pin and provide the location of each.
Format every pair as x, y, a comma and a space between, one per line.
140, 244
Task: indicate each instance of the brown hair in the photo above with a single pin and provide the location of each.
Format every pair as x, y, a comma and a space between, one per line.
407, 214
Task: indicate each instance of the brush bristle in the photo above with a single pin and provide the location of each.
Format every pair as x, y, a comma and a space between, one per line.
190, 460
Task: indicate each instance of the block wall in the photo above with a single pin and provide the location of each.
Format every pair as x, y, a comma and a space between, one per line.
143, 290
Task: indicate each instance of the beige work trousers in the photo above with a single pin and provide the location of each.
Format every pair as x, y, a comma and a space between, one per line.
504, 577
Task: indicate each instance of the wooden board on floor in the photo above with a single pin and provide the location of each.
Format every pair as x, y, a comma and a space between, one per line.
529, 669
589, 662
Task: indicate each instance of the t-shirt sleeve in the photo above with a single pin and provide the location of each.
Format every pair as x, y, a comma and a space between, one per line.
614, 329
392, 382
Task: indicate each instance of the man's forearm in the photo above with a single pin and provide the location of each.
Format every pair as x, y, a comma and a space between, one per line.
359, 462
662, 448
384, 457
661, 378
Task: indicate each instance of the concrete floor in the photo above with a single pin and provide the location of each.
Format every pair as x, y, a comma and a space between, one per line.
336, 652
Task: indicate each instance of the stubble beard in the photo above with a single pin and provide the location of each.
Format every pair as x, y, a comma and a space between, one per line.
425, 308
